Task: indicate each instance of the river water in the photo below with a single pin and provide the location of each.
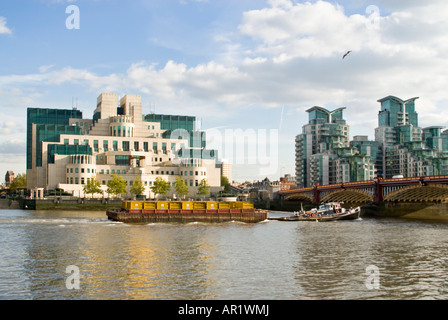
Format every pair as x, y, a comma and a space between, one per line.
361, 259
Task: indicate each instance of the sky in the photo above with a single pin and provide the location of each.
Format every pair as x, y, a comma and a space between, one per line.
246, 69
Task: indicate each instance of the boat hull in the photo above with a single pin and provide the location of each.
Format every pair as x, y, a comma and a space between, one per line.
222, 215
350, 215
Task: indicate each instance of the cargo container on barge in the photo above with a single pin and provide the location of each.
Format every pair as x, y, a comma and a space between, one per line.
187, 211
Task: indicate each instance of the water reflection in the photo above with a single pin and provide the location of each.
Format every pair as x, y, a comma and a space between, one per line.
272, 260
412, 260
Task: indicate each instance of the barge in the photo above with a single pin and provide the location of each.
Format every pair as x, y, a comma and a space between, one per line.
186, 211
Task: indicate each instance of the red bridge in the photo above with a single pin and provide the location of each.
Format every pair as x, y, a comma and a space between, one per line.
417, 189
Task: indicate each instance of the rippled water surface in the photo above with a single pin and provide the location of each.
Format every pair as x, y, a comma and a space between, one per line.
268, 260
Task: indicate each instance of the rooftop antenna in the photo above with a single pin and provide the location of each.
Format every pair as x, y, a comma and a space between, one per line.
74, 103
152, 108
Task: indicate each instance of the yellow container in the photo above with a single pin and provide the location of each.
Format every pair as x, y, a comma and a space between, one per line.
199, 205
175, 205
224, 205
135, 205
187, 205
242, 205
162, 205
149, 205
212, 205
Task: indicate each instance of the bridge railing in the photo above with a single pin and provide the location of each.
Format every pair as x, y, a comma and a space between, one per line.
377, 184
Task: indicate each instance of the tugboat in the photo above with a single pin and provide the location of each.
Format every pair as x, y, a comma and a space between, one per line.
326, 212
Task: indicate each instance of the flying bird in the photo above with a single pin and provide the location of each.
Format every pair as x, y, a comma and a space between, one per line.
348, 52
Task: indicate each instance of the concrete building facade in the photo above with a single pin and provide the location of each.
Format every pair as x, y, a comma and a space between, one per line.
65, 150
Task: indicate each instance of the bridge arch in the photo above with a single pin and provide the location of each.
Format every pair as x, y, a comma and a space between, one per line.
300, 197
419, 193
348, 196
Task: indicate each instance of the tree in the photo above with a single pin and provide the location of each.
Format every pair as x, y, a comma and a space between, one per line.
137, 187
160, 186
226, 184
117, 185
92, 186
18, 182
181, 187
203, 188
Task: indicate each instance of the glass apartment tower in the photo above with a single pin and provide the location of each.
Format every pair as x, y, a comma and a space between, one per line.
405, 149
324, 154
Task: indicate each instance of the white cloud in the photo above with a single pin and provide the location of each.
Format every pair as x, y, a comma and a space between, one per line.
3, 28
296, 61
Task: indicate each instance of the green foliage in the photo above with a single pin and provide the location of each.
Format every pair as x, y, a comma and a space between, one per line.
117, 185
137, 187
18, 182
180, 187
226, 184
160, 186
92, 186
203, 188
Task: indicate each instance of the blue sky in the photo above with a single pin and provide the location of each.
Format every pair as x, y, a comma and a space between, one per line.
248, 65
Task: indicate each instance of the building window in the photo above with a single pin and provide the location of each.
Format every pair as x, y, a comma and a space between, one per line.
136, 145
122, 160
125, 145
154, 147
76, 170
145, 146
105, 145
76, 181
82, 170
115, 145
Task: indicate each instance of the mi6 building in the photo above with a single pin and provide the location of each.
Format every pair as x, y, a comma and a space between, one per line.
66, 150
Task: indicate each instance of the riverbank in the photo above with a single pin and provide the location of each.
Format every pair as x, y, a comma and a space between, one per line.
72, 204
9, 204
